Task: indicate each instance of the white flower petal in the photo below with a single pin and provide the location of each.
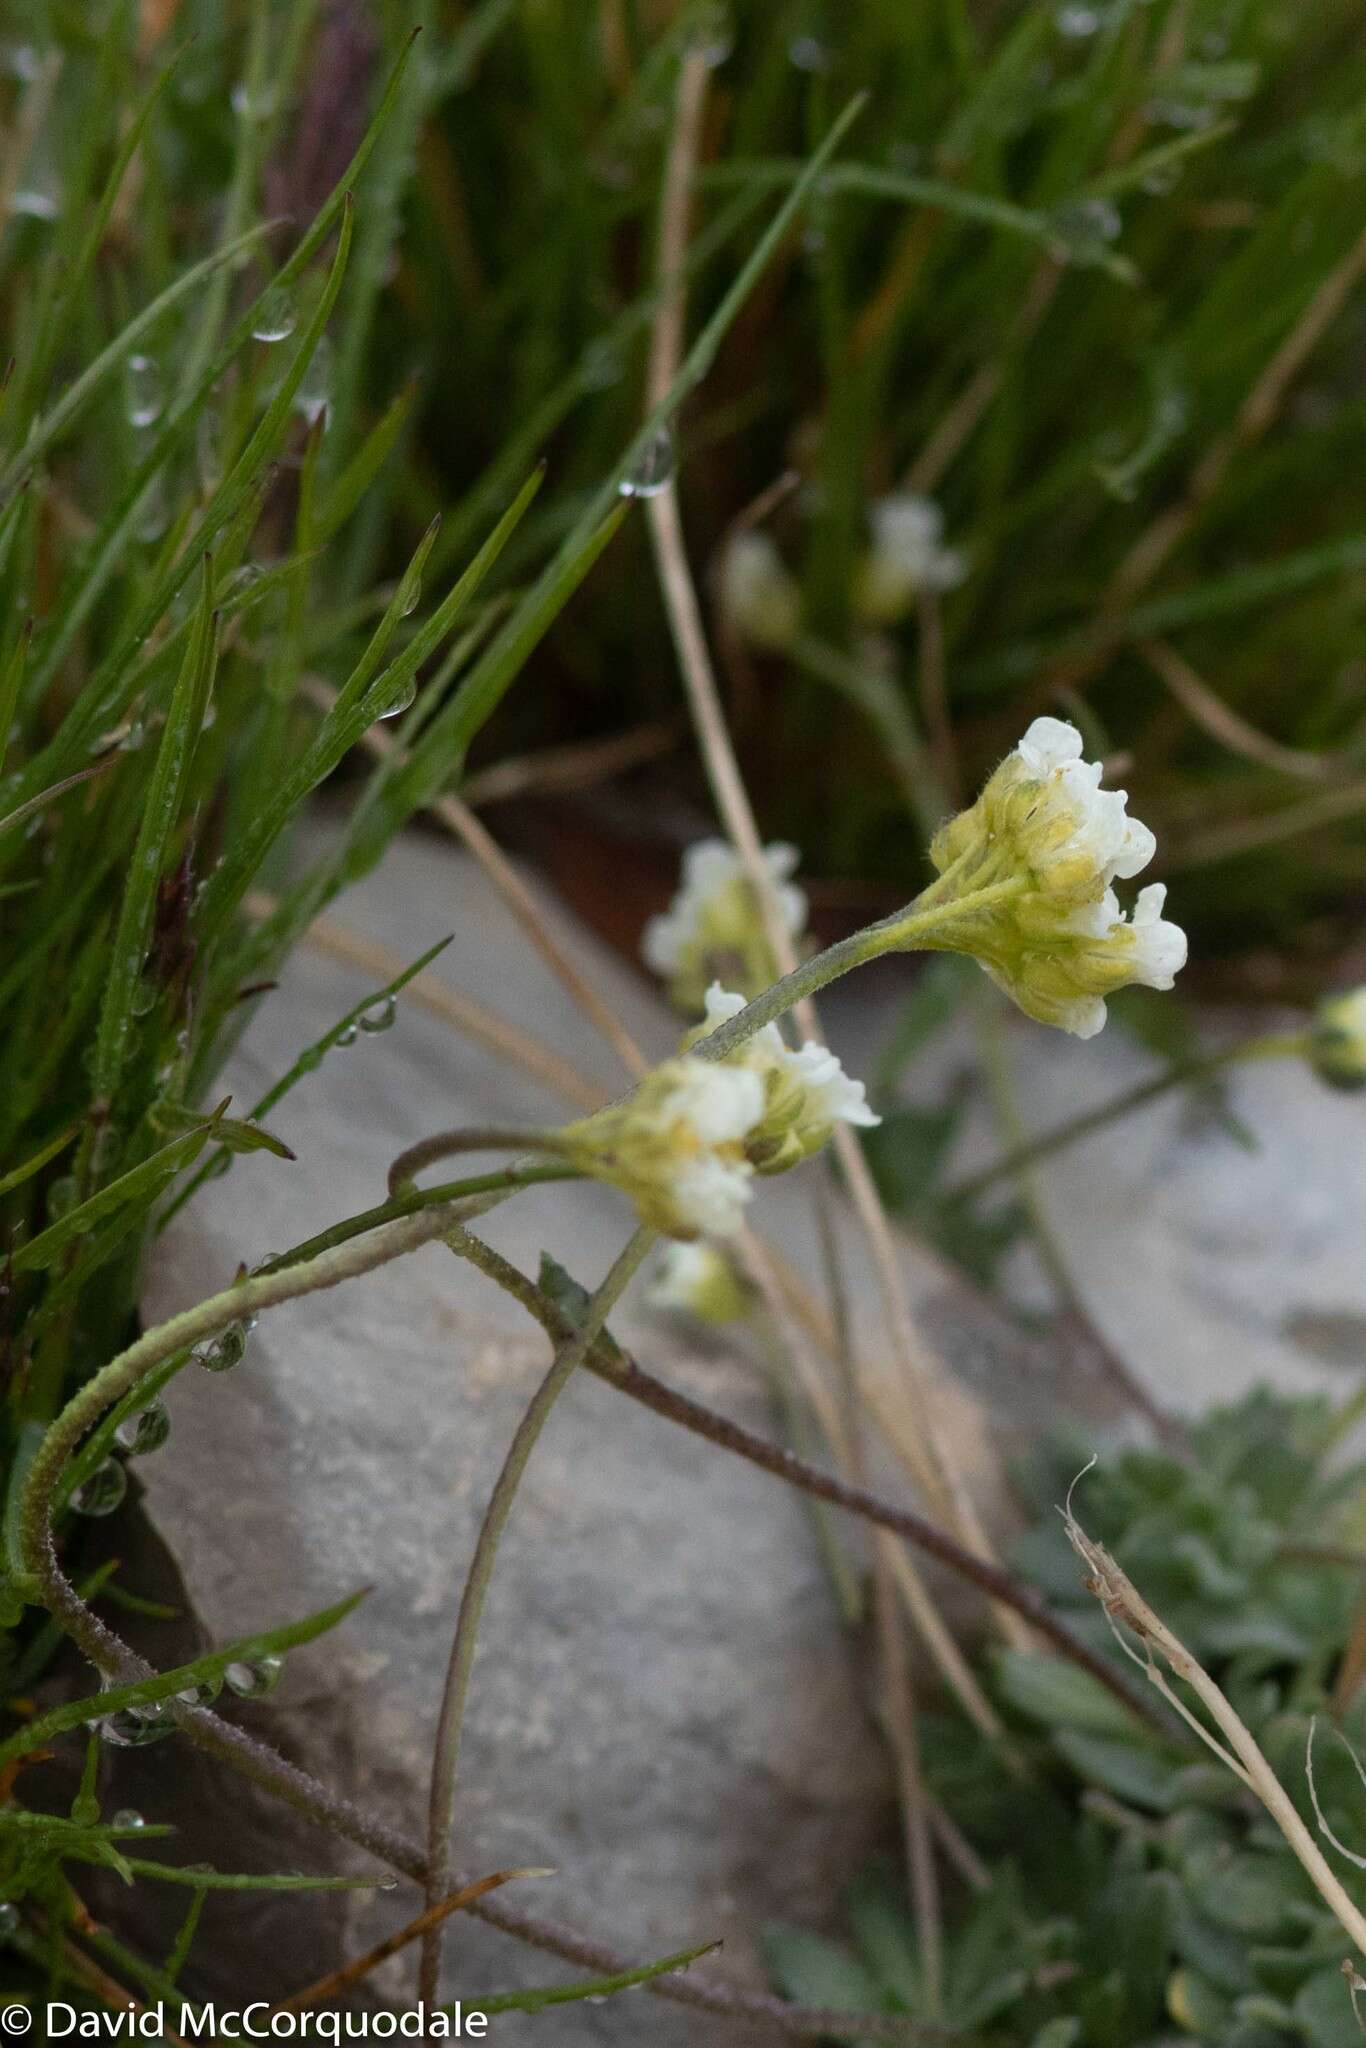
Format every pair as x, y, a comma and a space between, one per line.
722, 1103
709, 1194
1049, 743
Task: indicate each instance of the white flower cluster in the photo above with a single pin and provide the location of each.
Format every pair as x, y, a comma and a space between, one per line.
1061, 943
713, 925
907, 557
687, 1144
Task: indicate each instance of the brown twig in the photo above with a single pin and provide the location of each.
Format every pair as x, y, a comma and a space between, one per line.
1214, 717
339, 942
1001, 1586
361, 1966
938, 1474
474, 835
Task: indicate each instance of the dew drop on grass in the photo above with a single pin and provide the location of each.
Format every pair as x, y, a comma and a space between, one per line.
277, 318
380, 1015
202, 1694
61, 1197
347, 1035
653, 470
103, 1491
1086, 229
145, 1432
409, 595
227, 1349
9, 1919
401, 701
253, 1680
128, 1817
1077, 22
315, 387
145, 395
808, 53
135, 1727
713, 37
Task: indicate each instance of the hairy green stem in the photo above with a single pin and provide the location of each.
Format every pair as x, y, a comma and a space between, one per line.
193, 1326
474, 1138
1272, 1046
930, 924
572, 1348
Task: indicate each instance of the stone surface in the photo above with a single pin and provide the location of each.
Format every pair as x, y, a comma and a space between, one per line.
664, 1708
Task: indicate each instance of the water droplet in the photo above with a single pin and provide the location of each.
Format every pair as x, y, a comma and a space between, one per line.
249, 106
145, 1432
311, 398
61, 1197
601, 365
808, 53
346, 1036
9, 1921
1077, 22
653, 470
103, 1491
134, 1727
713, 36
252, 1681
127, 1817
133, 736
146, 398
243, 579
227, 1349
380, 1015
1086, 229
401, 701
409, 594
202, 1694
151, 518
276, 318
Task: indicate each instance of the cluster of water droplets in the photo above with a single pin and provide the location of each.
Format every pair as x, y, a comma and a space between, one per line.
1085, 230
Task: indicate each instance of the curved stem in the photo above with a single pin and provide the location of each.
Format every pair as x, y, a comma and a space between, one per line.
921, 927
1004, 1587
471, 1138
1274, 1045
206, 1319
572, 1347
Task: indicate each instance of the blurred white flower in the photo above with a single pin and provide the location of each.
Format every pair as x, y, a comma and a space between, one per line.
713, 926
698, 1280
907, 556
1337, 1040
757, 593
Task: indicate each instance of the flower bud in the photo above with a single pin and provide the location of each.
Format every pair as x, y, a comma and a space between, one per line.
806, 1092
697, 1280
1337, 1040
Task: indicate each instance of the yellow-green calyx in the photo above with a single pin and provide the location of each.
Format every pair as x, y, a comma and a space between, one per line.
1048, 843
677, 1145
1337, 1040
